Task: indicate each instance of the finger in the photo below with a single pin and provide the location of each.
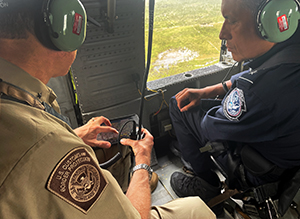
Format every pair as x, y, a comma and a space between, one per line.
180, 94
127, 142
105, 121
183, 101
106, 129
147, 137
187, 107
146, 132
102, 144
130, 142
100, 120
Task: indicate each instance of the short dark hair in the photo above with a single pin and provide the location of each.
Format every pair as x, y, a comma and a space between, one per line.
15, 21
15, 26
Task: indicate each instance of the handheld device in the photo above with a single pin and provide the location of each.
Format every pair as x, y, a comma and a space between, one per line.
125, 129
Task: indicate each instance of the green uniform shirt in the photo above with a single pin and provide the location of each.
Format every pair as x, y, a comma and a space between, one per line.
46, 170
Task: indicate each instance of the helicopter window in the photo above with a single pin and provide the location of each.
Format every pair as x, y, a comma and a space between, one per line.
185, 36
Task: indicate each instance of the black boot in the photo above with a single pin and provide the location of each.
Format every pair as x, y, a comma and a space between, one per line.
184, 185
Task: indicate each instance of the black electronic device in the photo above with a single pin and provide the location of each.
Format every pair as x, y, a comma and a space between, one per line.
126, 126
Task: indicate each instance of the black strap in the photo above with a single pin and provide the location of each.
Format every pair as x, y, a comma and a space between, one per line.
263, 192
290, 190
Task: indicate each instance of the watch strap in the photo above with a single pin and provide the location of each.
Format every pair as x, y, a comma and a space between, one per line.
143, 166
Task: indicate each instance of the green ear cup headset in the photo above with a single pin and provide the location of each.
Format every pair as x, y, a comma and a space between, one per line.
277, 20
61, 24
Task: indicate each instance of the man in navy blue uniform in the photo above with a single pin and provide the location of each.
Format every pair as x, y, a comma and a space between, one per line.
260, 109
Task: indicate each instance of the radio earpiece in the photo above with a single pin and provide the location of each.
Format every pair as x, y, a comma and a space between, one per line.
61, 24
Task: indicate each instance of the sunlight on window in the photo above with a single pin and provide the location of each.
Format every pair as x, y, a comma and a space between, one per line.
186, 36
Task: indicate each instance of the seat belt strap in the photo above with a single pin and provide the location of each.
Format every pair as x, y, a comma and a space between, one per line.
222, 197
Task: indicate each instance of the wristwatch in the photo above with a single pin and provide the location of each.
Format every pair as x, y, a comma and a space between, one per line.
143, 166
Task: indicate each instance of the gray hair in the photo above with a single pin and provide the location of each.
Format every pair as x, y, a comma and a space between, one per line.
253, 5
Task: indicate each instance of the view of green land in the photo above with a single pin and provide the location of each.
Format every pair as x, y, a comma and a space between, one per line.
186, 36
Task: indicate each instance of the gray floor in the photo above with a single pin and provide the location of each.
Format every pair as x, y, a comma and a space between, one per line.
163, 193
165, 167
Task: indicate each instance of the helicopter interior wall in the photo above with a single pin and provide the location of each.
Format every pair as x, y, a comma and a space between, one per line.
110, 64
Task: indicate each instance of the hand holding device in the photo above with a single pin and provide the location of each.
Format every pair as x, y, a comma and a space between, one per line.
88, 132
127, 129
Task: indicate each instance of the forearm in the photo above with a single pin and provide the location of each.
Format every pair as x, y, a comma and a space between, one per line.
138, 191
79, 132
216, 90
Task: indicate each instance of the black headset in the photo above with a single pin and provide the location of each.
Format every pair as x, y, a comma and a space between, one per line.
61, 24
277, 20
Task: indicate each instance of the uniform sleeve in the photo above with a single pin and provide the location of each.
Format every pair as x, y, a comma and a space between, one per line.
242, 116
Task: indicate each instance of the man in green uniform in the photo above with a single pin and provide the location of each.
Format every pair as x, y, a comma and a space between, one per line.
47, 169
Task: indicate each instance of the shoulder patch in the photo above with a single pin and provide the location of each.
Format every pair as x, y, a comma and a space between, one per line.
234, 104
77, 179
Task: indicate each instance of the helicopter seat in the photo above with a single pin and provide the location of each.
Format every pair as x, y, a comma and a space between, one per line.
265, 200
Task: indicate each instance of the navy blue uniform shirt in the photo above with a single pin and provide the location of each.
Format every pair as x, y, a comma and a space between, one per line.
261, 109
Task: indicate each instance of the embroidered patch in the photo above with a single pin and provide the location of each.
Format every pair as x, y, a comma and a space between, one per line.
77, 179
234, 104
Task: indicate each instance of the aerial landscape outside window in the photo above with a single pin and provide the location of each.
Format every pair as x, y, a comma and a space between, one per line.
186, 36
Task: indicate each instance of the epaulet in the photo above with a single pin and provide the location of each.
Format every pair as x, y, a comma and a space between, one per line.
249, 76
19, 94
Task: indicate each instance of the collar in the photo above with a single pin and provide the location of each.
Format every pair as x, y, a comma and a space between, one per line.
294, 40
18, 77
255, 63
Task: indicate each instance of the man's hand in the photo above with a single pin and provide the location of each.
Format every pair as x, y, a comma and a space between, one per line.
141, 148
88, 132
188, 98
138, 191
